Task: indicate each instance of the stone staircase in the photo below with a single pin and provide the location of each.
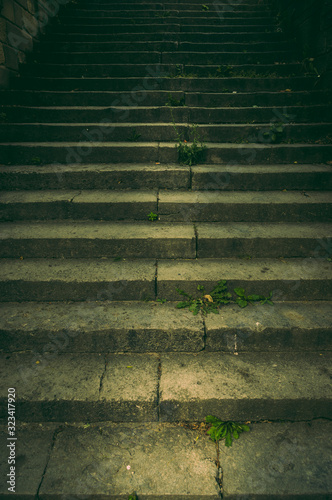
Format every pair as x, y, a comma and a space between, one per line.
112, 383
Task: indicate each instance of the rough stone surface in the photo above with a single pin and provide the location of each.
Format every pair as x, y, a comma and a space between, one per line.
32, 450
90, 279
247, 386
97, 239
288, 279
157, 461
99, 327
287, 326
279, 460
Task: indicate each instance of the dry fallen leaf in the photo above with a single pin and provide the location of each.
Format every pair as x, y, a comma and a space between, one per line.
208, 298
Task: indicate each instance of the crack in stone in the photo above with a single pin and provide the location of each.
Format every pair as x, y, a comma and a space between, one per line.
54, 438
158, 388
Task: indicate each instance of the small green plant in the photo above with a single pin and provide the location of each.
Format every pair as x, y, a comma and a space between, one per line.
205, 7
225, 430
275, 133
211, 302
172, 101
3, 117
161, 301
134, 136
36, 161
133, 496
191, 154
152, 216
206, 303
243, 300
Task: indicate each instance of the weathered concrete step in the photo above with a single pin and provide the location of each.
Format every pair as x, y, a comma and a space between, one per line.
128, 152
162, 45
104, 240
293, 460
136, 279
258, 178
120, 176
124, 24
101, 122
148, 11
287, 279
79, 239
151, 327
253, 206
162, 444
172, 70
253, 133
165, 57
142, 176
246, 387
166, 33
142, 97
77, 279
102, 205
155, 79
261, 240
151, 17
222, 7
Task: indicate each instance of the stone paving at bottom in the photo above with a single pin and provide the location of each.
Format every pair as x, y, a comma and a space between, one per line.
173, 461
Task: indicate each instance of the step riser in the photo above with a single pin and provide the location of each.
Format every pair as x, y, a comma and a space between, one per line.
150, 12
159, 98
167, 58
165, 34
167, 84
149, 18
108, 117
170, 70
224, 9
46, 48
44, 291
159, 27
246, 134
126, 152
158, 248
168, 211
178, 178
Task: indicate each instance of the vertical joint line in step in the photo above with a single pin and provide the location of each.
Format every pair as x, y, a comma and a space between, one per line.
156, 281
158, 387
54, 437
219, 475
204, 334
190, 178
196, 241
102, 376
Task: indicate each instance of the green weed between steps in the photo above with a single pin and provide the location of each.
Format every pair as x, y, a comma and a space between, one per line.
225, 430
134, 136
152, 216
189, 153
133, 496
219, 296
173, 102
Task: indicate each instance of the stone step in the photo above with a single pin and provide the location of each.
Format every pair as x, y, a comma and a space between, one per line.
45, 48
187, 25
156, 120
117, 327
151, 18
165, 57
155, 79
142, 176
172, 206
129, 152
166, 33
221, 8
118, 132
293, 461
77, 280
142, 97
78, 239
172, 70
174, 387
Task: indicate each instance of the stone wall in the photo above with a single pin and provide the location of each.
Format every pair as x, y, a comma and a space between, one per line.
21, 22
310, 23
